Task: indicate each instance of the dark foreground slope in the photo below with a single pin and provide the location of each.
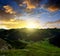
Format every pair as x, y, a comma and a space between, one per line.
13, 37
23, 42
29, 34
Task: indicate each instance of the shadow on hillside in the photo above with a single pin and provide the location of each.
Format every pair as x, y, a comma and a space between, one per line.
56, 39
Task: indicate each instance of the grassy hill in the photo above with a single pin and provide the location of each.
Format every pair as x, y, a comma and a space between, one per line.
30, 42
42, 48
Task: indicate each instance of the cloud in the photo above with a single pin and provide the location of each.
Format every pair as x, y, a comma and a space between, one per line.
29, 6
5, 16
53, 5
30, 3
54, 24
9, 9
56, 3
52, 8
12, 24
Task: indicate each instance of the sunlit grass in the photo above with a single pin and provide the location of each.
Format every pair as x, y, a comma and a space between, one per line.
42, 48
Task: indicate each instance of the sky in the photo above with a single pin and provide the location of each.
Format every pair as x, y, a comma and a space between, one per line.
21, 13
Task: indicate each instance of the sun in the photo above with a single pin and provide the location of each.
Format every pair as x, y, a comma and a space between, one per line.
31, 25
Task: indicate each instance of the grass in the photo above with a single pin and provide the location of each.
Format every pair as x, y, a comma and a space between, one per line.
42, 48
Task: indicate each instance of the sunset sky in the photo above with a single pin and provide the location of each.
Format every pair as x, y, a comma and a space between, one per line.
29, 13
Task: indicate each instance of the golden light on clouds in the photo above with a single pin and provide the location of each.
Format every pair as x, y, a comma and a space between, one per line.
9, 9
29, 4
11, 24
53, 8
14, 24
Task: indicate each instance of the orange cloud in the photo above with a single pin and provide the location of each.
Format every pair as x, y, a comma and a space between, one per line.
9, 9
53, 8
29, 4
